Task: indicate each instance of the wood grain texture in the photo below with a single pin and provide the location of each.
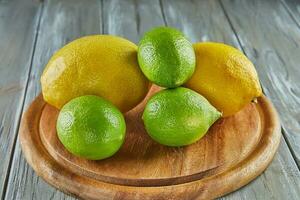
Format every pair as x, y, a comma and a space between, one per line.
293, 7
143, 162
270, 38
191, 17
61, 22
130, 18
222, 172
18, 21
280, 180
285, 183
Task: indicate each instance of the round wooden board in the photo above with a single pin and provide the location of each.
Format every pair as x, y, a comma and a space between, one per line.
233, 152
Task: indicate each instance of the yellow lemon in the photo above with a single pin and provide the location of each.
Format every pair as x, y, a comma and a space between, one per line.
99, 65
224, 76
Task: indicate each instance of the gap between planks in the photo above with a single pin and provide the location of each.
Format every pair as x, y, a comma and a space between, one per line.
11, 188
241, 46
289, 11
36, 32
103, 31
101, 16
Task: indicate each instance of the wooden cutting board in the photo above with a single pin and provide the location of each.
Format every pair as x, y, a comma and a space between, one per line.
233, 152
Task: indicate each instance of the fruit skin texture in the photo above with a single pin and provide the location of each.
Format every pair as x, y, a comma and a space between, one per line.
99, 65
224, 76
91, 127
166, 57
178, 117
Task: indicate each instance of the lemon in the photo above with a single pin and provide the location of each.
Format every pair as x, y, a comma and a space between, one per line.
91, 127
99, 65
178, 117
224, 76
166, 57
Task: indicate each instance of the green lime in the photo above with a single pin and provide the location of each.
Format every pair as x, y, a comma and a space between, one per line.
91, 127
178, 117
166, 57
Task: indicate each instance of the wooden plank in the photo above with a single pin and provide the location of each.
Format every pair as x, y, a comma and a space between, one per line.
59, 25
61, 22
130, 18
270, 38
206, 21
18, 22
280, 181
293, 7
199, 21
37, 187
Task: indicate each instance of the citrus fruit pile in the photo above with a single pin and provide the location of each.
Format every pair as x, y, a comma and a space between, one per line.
95, 79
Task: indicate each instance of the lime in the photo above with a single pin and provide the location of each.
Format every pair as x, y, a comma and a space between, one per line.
91, 127
166, 57
178, 117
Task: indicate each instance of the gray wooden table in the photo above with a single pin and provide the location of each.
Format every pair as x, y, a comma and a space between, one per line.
268, 32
